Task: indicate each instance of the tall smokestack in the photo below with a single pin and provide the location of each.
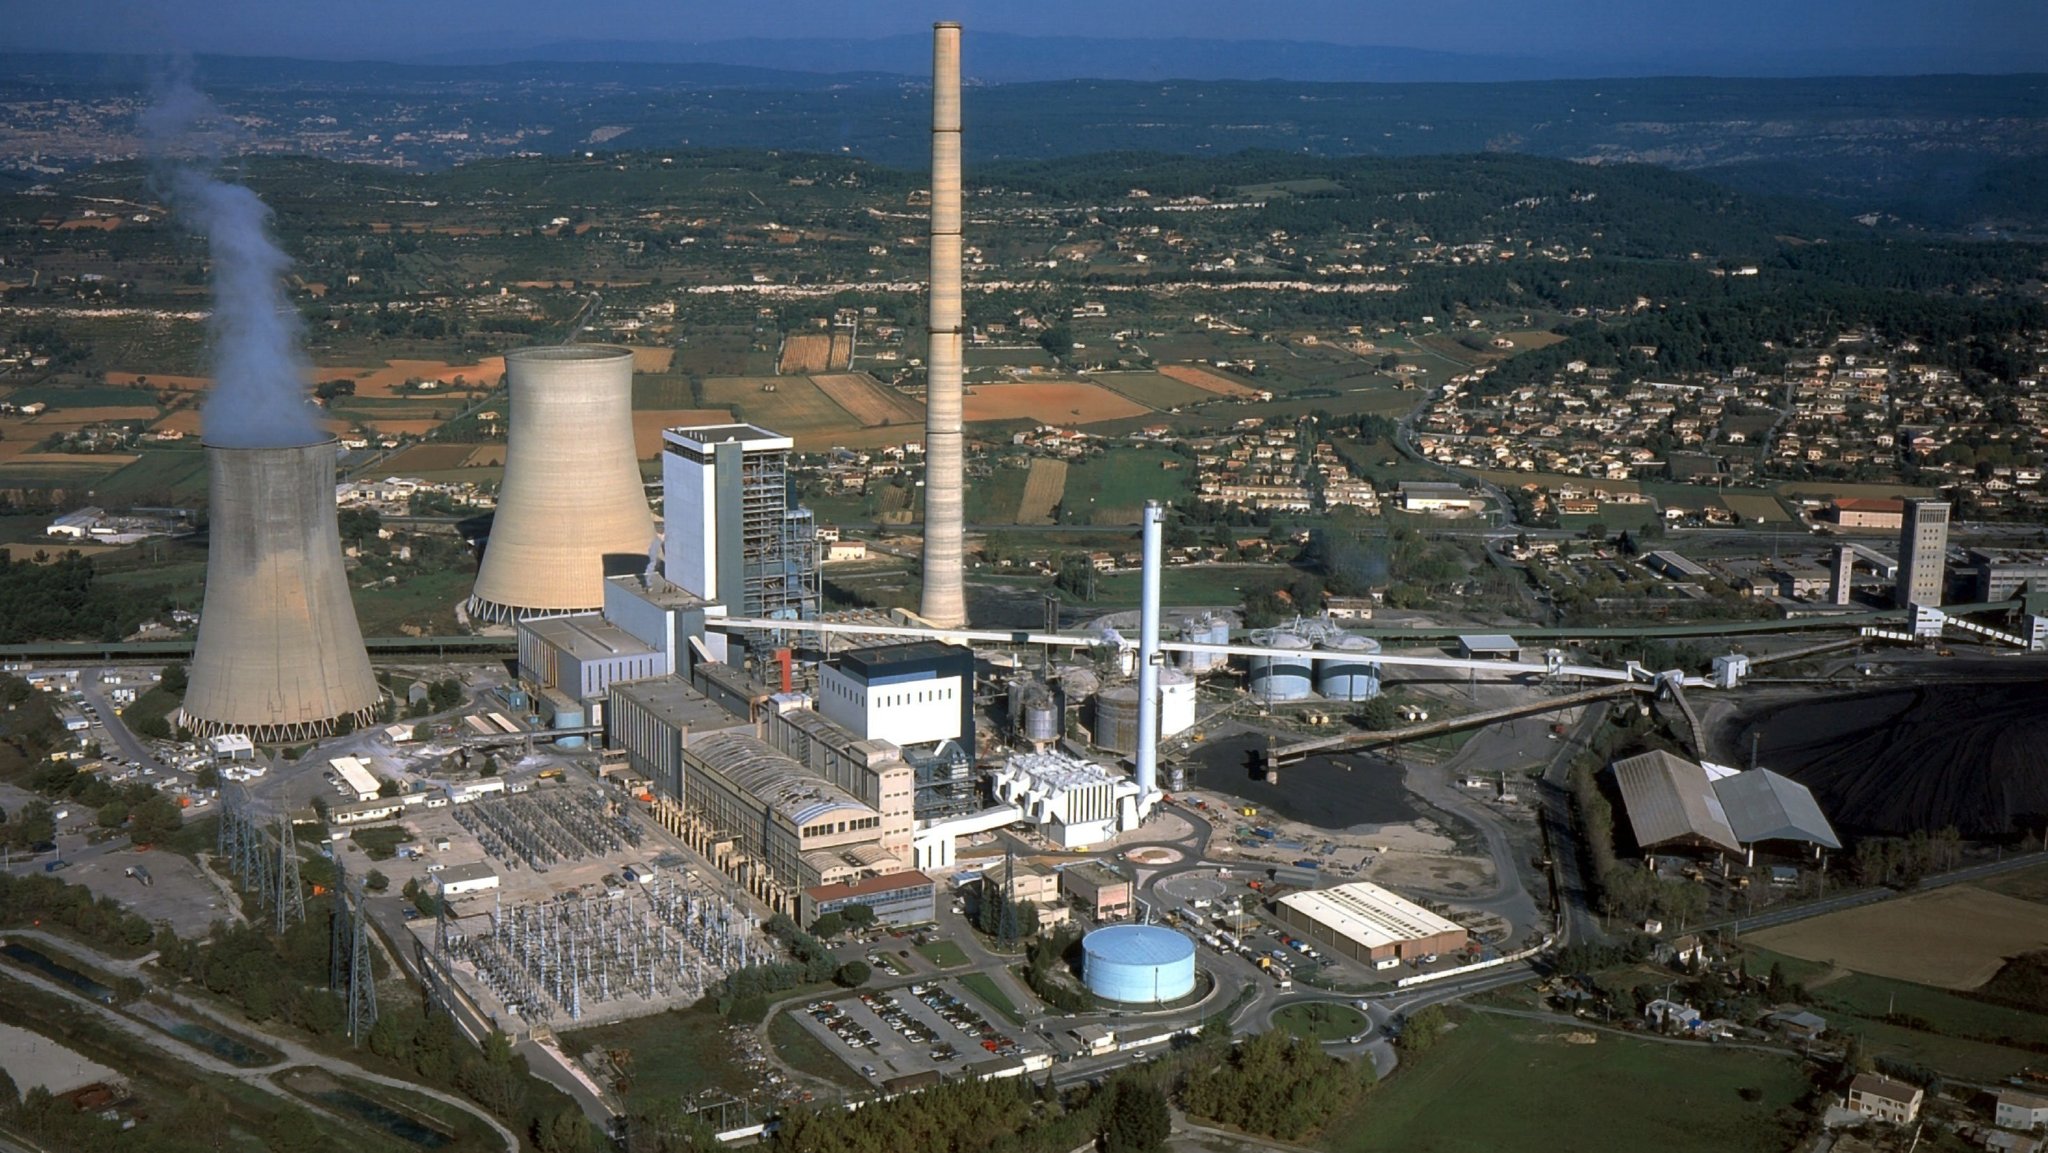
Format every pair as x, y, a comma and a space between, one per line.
572, 509
1148, 653
945, 597
280, 656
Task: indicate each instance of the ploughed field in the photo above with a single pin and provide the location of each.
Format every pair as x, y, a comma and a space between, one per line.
1922, 757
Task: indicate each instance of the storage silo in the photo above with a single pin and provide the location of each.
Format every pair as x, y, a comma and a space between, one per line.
1353, 675
1116, 719
572, 509
279, 654
1041, 722
1204, 630
1138, 964
1281, 678
1176, 702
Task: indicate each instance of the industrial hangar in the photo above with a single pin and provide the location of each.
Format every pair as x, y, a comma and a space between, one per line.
1674, 803
1369, 924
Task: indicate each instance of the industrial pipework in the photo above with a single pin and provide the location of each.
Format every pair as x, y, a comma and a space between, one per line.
944, 602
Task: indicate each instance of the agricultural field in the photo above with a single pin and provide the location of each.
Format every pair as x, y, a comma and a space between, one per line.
789, 405
1113, 488
1954, 937
647, 358
1208, 380
118, 392
812, 352
1152, 389
1514, 1084
1044, 487
1023, 356
1533, 339
418, 458
869, 401
1828, 489
648, 424
173, 476
1064, 402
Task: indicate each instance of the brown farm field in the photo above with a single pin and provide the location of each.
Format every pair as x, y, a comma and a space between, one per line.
1954, 937
805, 353
1535, 338
1206, 379
425, 458
868, 400
790, 405
647, 358
1062, 402
163, 380
185, 420
647, 426
1043, 490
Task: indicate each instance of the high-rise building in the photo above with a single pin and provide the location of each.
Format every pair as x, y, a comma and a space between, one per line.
732, 536
1923, 553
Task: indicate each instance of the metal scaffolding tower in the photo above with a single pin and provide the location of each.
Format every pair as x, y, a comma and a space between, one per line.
291, 898
348, 953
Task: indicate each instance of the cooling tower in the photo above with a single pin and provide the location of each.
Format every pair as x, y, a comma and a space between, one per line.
279, 656
572, 509
945, 599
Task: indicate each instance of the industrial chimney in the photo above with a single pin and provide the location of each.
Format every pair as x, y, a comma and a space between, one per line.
279, 656
572, 509
945, 599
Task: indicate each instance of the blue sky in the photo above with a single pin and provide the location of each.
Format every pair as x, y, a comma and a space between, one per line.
1719, 35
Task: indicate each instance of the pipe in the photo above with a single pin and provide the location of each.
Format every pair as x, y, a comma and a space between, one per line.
944, 602
1149, 656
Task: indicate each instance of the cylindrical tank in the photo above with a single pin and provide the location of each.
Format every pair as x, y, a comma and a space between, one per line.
1352, 676
571, 509
1176, 702
279, 655
1079, 682
1281, 678
1138, 964
1207, 630
1041, 722
1016, 687
1116, 719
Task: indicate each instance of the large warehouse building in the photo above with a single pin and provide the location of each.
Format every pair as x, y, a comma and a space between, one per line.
1673, 803
1138, 964
1367, 923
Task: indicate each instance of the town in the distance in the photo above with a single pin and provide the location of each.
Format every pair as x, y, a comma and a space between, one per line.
614, 644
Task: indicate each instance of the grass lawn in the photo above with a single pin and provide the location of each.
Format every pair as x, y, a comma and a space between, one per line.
1502, 1083
806, 1054
982, 986
2026, 884
675, 1053
1321, 1020
944, 954
1188, 585
426, 600
1112, 488
160, 475
379, 843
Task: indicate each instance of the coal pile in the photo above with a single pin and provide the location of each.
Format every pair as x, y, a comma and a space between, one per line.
1330, 792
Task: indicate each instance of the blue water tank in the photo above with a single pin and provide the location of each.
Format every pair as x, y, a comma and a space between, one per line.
1138, 964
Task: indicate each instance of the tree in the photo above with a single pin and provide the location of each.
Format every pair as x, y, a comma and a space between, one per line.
376, 881
208, 777
1138, 1121
176, 678
858, 917
828, 926
154, 820
9, 1095
1422, 1029
564, 1132
853, 974
1379, 714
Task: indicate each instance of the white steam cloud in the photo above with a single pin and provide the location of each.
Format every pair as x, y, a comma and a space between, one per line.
255, 344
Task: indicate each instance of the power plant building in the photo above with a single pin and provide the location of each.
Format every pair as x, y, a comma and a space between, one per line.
652, 721
645, 630
732, 537
1075, 803
904, 898
1370, 924
1923, 553
279, 656
1138, 964
873, 771
909, 694
571, 509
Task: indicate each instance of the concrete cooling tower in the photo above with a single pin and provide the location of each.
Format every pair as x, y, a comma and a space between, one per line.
572, 509
279, 655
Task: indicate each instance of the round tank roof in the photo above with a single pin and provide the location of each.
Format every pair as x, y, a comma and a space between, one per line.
560, 352
1138, 945
1279, 640
1352, 643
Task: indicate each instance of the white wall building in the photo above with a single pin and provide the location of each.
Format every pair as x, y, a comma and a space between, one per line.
1074, 802
356, 781
919, 693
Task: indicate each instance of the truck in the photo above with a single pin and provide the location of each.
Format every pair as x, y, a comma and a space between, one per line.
140, 873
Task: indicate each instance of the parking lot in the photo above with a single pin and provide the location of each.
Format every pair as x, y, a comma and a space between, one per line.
895, 1033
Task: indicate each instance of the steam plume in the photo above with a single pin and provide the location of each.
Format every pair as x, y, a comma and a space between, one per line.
258, 360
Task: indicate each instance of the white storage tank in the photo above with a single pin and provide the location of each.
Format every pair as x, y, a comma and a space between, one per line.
1138, 964
1353, 675
1207, 630
1284, 678
1176, 702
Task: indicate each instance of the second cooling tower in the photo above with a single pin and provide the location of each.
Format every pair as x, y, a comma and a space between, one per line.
572, 509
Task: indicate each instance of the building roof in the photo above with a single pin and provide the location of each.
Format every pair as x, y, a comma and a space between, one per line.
1879, 1085
1369, 915
1870, 504
1437, 489
1489, 643
1096, 873
2020, 1099
587, 637
468, 871
1138, 945
1762, 806
776, 780
869, 886
1670, 800
675, 702
882, 660
1672, 560
697, 436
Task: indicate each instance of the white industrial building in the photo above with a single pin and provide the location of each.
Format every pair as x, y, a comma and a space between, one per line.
731, 535
354, 778
1074, 802
475, 877
1367, 923
919, 693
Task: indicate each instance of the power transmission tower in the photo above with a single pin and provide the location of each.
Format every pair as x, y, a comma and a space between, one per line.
362, 980
291, 900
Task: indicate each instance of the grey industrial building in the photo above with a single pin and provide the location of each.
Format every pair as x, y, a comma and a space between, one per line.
731, 535
904, 898
1673, 803
652, 720
1923, 553
649, 628
2005, 574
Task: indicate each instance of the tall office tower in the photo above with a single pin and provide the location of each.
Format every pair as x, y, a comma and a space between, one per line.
279, 656
731, 535
572, 509
1923, 553
945, 527
1839, 586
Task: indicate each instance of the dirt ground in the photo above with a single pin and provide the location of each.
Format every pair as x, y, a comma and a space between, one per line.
1061, 402
868, 400
1955, 937
650, 359
1042, 491
1203, 378
805, 353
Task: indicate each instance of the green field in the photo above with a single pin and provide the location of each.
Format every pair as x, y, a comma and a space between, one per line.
993, 499
1113, 488
1500, 1083
984, 987
807, 1054
1152, 390
2026, 884
1183, 586
162, 476
59, 396
1321, 1020
944, 954
676, 1053
427, 600
1752, 507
